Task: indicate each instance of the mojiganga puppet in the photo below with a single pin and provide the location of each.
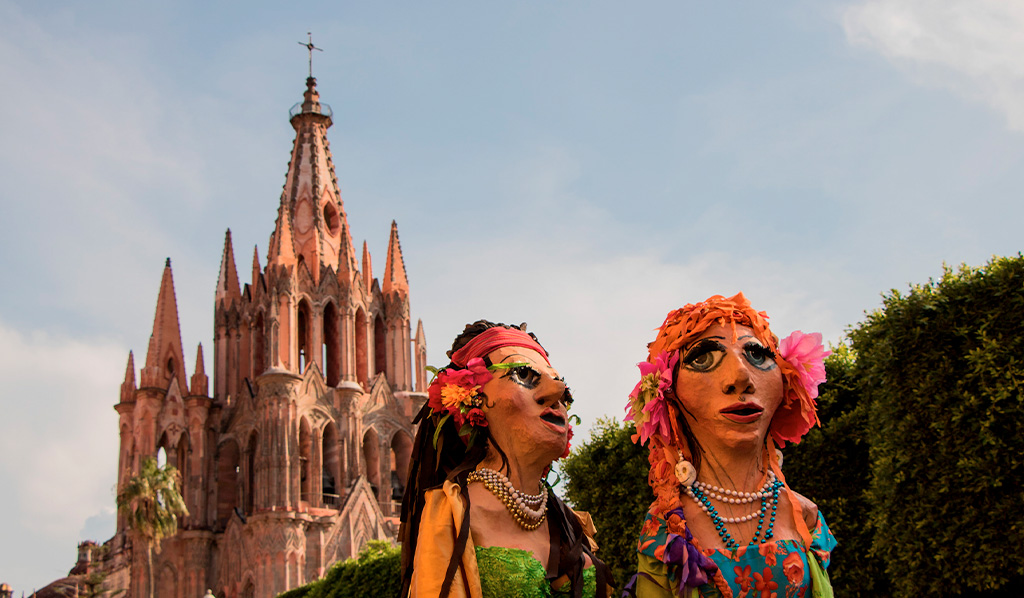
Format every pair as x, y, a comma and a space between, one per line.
719, 395
478, 520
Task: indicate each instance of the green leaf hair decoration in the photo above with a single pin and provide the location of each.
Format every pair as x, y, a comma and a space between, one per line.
440, 425
507, 366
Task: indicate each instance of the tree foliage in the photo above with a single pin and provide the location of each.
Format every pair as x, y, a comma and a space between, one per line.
607, 477
151, 502
942, 368
831, 466
375, 571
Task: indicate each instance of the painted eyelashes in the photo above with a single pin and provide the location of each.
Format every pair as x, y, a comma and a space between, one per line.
527, 376
708, 353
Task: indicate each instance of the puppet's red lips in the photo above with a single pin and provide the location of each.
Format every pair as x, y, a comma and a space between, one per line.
553, 418
743, 413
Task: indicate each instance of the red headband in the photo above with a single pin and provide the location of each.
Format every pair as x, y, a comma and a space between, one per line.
496, 338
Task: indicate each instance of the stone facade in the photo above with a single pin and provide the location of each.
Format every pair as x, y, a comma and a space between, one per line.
298, 456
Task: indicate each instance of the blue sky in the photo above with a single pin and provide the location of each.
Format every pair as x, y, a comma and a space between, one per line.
581, 166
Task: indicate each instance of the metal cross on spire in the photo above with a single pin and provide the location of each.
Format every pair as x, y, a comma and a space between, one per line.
310, 47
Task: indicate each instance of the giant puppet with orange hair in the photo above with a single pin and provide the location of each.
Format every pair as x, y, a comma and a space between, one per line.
719, 396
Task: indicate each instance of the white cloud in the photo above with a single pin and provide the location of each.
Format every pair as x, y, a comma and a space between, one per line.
58, 449
973, 47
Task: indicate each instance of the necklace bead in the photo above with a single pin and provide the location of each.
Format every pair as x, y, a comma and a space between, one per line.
528, 510
702, 494
736, 497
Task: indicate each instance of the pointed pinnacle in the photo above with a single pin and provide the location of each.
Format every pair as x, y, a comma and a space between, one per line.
395, 279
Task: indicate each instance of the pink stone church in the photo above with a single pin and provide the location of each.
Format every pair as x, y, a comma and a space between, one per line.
297, 455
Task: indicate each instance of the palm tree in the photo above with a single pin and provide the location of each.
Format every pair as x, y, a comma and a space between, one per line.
152, 503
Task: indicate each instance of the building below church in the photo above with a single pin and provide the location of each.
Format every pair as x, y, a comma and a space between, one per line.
297, 455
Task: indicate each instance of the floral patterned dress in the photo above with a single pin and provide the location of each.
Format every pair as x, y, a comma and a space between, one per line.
774, 569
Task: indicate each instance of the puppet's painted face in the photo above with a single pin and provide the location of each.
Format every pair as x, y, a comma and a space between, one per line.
526, 405
729, 387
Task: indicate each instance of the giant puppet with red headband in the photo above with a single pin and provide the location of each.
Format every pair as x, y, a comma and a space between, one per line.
719, 397
478, 519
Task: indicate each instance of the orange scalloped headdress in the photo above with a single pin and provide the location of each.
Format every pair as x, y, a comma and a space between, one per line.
798, 412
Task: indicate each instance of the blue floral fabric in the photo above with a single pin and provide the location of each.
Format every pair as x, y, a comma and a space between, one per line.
774, 569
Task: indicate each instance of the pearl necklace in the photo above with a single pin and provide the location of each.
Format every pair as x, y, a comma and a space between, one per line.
528, 510
734, 497
700, 492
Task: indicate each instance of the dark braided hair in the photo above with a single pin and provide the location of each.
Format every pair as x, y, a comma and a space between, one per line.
430, 466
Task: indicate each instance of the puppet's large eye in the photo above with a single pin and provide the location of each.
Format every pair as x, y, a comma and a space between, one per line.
759, 356
705, 356
525, 375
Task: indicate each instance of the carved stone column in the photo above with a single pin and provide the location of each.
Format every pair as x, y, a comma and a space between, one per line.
348, 345
316, 340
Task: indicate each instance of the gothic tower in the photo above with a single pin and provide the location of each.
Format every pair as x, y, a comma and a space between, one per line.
299, 454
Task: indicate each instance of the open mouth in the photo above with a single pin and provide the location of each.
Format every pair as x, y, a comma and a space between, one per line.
743, 413
553, 418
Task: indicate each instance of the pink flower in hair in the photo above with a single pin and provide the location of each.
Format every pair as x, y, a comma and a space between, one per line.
456, 393
807, 356
647, 407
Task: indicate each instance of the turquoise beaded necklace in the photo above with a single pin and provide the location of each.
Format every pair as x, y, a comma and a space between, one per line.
698, 494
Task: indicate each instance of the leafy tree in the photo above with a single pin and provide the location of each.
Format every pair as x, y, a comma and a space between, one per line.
831, 466
152, 503
607, 477
375, 571
299, 592
941, 368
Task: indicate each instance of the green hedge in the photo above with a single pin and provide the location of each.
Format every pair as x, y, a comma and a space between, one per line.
607, 477
831, 466
376, 572
942, 368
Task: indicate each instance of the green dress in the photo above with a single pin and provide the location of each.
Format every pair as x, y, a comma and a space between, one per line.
515, 573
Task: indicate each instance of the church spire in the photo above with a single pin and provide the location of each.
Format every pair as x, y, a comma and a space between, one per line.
347, 263
164, 359
367, 269
311, 195
256, 270
128, 386
227, 281
200, 383
394, 271
282, 247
